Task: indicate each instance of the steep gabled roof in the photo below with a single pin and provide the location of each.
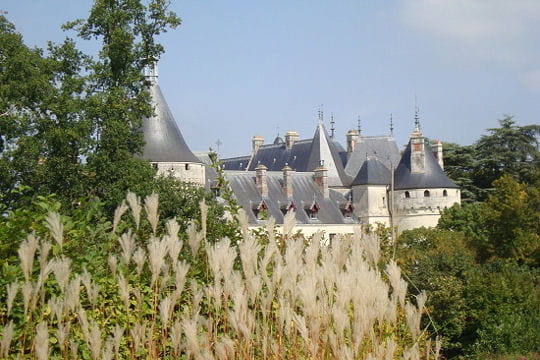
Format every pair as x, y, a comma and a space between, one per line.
303, 156
164, 141
432, 177
323, 148
373, 172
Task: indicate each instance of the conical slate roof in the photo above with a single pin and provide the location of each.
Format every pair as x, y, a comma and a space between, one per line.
373, 172
432, 177
164, 141
322, 148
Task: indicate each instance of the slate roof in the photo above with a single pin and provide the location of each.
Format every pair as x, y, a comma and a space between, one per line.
304, 156
164, 141
373, 172
236, 163
432, 177
305, 193
383, 147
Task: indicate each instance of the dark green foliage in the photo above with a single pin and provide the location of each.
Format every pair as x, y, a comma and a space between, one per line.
438, 261
503, 299
509, 149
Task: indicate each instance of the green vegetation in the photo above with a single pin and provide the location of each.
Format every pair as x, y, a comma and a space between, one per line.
161, 297
80, 285
480, 267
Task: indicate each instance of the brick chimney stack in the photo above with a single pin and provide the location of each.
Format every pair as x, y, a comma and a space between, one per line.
291, 137
257, 141
260, 179
436, 149
320, 175
287, 181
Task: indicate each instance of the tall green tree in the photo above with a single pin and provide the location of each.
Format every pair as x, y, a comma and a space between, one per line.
509, 149
43, 133
127, 30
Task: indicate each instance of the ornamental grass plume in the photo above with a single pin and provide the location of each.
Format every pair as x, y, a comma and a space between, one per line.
135, 205
27, 251
118, 213
41, 342
55, 226
12, 290
7, 336
266, 296
151, 207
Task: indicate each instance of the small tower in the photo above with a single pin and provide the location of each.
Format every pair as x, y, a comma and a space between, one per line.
165, 146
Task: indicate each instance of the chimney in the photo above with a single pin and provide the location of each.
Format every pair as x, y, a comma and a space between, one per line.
436, 149
262, 185
418, 164
287, 181
320, 175
291, 137
352, 140
257, 141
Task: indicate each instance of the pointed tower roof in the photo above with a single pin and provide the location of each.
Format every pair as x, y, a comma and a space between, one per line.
372, 172
164, 141
432, 177
322, 148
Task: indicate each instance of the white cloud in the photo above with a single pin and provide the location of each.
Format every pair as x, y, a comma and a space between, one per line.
504, 31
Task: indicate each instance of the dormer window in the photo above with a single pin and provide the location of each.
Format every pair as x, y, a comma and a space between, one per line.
261, 211
347, 209
426, 193
289, 207
313, 211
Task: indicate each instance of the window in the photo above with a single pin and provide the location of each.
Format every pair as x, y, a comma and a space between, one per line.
407, 195
289, 207
312, 211
445, 193
187, 166
261, 211
426, 193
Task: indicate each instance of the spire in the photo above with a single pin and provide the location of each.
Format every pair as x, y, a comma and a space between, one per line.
391, 125
417, 127
320, 114
332, 123
359, 125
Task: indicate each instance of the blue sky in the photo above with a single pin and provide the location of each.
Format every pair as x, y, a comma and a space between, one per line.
235, 69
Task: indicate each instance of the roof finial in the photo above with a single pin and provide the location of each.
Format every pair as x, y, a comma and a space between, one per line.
359, 125
391, 125
416, 116
277, 129
321, 116
332, 123
218, 144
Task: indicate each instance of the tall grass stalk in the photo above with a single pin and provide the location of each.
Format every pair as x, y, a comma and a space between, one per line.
261, 297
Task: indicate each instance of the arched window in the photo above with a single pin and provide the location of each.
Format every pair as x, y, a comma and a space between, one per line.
407, 194
426, 193
445, 193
